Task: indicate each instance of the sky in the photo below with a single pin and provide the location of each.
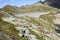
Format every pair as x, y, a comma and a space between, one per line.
17, 2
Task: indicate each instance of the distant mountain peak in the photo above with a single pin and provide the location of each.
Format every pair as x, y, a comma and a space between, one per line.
41, 2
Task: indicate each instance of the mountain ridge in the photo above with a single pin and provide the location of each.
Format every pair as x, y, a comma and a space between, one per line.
37, 7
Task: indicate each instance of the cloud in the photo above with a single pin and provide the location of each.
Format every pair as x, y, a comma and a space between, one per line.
0, 0
6, 3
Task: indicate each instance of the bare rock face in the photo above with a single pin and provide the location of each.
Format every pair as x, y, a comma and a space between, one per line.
3, 36
3, 14
54, 3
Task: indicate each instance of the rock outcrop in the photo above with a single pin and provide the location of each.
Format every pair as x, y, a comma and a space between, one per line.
54, 3
3, 36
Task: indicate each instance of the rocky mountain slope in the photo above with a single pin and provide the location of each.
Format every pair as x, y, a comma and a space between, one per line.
31, 22
29, 27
